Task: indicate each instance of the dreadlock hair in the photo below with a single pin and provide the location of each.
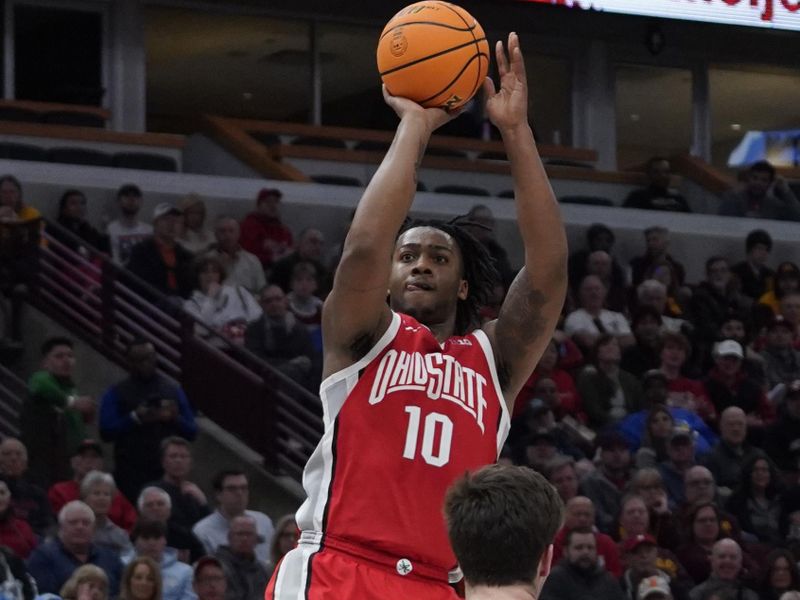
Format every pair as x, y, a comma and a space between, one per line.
477, 269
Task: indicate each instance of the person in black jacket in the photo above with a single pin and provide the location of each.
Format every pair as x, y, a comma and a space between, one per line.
72, 217
160, 260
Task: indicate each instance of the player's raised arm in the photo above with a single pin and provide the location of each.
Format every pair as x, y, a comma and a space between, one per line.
530, 311
355, 313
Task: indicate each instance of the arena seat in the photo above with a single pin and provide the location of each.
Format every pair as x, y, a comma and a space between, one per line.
463, 190
144, 161
372, 146
325, 142
268, 139
25, 115
76, 119
589, 200
337, 180
491, 155
22, 152
563, 162
446, 152
80, 156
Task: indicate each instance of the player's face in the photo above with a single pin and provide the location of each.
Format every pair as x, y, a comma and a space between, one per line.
426, 280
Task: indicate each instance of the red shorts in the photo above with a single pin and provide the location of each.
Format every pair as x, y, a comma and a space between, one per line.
332, 575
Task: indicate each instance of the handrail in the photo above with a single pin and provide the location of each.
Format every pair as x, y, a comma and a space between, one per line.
92, 134
108, 307
12, 394
51, 107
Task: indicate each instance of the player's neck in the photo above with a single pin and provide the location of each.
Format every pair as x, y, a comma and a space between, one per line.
508, 592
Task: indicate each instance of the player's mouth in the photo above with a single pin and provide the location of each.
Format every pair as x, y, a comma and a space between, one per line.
418, 286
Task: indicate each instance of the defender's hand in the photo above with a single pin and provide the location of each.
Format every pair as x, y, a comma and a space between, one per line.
508, 107
433, 117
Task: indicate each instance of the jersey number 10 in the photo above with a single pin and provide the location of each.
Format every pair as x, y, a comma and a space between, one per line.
435, 425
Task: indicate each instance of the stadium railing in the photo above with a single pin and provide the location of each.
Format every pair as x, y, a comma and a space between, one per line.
108, 307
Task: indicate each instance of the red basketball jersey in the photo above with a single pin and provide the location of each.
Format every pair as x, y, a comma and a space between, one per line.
401, 425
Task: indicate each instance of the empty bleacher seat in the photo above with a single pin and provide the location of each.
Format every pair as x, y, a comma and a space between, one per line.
268, 139
310, 140
492, 155
463, 190
22, 152
145, 161
77, 119
372, 146
80, 156
564, 162
336, 180
591, 200
447, 152
13, 113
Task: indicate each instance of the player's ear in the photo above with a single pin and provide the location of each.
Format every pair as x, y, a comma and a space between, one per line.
463, 289
546, 562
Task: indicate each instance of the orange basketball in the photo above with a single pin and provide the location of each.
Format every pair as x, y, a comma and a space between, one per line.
434, 53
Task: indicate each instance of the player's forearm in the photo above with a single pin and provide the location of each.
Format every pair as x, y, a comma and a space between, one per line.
538, 215
388, 197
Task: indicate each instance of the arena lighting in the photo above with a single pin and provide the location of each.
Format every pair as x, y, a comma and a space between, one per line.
778, 14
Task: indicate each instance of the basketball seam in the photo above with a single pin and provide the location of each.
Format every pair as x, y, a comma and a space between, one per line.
430, 56
433, 23
477, 47
464, 68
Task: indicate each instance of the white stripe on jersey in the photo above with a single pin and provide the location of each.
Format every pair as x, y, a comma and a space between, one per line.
319, 469
293, 573
505, 420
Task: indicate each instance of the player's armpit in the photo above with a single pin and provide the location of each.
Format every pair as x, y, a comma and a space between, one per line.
523, 329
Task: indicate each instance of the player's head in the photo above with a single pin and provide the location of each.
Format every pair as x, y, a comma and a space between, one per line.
439, 269
501, 521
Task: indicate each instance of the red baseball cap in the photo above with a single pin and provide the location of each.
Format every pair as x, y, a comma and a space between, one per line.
633, 542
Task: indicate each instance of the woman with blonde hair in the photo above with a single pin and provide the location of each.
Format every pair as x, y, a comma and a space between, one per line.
284, 539
141, 580
88, 582
196, 237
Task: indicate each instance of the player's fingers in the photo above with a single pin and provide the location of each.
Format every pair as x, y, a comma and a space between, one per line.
518, 64
500, 55
489, 89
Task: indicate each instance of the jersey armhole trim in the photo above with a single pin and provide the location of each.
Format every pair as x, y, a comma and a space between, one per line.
505, 418
385, 339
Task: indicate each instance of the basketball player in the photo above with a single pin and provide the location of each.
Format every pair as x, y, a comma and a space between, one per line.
412, 396
501, 521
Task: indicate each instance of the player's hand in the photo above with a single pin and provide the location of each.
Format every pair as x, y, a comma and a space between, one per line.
405, 108
507, 108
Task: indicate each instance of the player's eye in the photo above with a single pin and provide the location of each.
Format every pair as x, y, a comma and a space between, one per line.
442, 260
406, 257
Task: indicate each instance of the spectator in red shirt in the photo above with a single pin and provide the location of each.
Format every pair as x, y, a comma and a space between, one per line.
579, 513
683, 392
263, 233
89, 457
728, 385
568, 401
15, 533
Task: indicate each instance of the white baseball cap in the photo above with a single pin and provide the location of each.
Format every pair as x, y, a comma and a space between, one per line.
165, 208
650, 586
729, 348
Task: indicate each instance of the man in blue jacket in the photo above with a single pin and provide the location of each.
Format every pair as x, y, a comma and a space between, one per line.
52, 563
137, 414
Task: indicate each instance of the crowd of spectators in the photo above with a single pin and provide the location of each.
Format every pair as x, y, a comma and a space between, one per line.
665, 412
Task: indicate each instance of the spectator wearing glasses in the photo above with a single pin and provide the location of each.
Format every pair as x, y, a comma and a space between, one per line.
233, 495
209, 581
